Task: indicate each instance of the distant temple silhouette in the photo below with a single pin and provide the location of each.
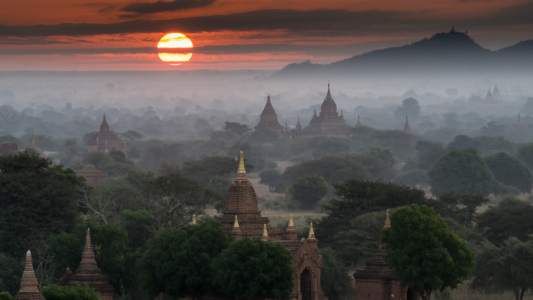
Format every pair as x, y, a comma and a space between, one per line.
105, 140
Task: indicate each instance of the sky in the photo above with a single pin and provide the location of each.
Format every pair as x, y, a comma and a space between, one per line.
87, 35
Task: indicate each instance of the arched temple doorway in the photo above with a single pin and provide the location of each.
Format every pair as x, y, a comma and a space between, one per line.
306, 285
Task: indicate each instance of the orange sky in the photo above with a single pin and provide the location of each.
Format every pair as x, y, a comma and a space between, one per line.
238, 34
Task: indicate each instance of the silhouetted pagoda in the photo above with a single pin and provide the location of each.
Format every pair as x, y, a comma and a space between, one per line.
105, 140
242, 218
269, 119
88, 273
519, 123
496, 93
33, 143
377, 280
406, 127
328, 122
489, 99
28, 284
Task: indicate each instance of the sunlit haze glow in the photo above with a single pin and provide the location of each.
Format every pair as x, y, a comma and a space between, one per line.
175, 40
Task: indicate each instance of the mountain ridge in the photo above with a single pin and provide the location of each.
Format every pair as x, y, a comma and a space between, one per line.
443, 52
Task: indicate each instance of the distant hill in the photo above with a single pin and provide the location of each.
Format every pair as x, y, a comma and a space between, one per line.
446, 52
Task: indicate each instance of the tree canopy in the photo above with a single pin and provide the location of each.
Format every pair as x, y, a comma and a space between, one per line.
409, 107
383, 153
254, 269
178, 262
78, 292
309, 190
424, 253
462, 171
35, 198
510, 171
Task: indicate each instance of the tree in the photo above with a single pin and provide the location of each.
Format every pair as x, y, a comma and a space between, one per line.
270, 177
413, 178
509, 171
34, 198
358, 197
511, 217
11, 273
505, 268
238, 129
173, 199
428, 153
254, 269
77, 292
138, 224
97, 159
263, 136
409, 107
460, 207
462, 171
382, 153
308, 190
178, 262
525, 154
156, 154
528, 106
424, 253
6, 296
208, 168
9, 115
334, 279
130, 135
322, 146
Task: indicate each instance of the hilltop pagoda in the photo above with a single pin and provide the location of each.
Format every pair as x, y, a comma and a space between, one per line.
328, 122
242, 219
269, 119
105, 140
88, 273
28, 284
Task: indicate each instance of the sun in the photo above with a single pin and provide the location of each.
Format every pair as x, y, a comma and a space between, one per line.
175, 48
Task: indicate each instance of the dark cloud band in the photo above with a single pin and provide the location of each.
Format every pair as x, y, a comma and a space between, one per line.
163, 6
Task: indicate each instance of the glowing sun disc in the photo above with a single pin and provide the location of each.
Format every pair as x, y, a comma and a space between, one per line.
174, 41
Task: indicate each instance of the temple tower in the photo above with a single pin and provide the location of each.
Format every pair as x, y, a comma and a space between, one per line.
519, 123
28, 284
358, 125
105, 140
88, 273
269, 119
406, 128
33, 143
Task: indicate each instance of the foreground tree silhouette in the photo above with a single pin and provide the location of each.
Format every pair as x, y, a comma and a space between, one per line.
254, 269
424, 253
178, 261
77, 292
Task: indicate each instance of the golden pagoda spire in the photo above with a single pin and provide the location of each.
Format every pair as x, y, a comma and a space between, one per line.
290, 221
193, 219
265, 233
387, 220
311, 232
241, 169
236, 224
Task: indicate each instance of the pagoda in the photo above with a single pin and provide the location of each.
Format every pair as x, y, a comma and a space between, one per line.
269, 119
88, 273
519, 123
28, 283
406, 127
33, 143
489, 99
105, 140
241, 218
328, 122
377, 280
9, 149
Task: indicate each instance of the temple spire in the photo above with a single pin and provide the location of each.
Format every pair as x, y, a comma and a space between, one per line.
387, 220
291, 224
193, 219
28, 283
311, 232
265, 233
358, 123
104, 127
406, 128
241, 169
236, 224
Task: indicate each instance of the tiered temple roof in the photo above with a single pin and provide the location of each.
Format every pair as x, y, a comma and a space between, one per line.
269, 118
28, 284
242, 218
88, 273
105, 140
327, 123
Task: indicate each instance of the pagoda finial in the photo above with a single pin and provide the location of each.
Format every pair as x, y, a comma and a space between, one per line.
265, 233
104, 127
193, 219
387, 220
291, 223
268, 99
311, 232
241, 169
236, 224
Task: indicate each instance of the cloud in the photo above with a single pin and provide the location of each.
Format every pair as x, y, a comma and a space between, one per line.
164, 6
322, 22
